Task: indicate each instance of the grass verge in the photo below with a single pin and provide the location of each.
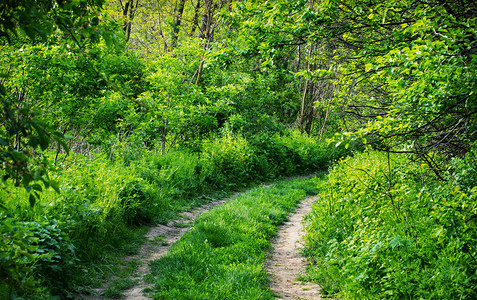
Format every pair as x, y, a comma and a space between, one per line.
386, 227
223, 255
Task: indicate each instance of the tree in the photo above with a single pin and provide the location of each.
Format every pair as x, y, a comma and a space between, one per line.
404, 70
24, 136
128, 8
178, 11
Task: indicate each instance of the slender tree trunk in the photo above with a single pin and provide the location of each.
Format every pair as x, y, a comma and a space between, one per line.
322, 129
310, 110
302, 119
179, 10
129, 8
166, 122
205, 34
206, 18
302, 106
195, 20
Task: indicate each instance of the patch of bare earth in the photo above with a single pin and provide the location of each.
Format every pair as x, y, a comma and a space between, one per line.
159, 239
286, 263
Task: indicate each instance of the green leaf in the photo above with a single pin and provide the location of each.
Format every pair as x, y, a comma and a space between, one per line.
32, 200
55, 186
37, 187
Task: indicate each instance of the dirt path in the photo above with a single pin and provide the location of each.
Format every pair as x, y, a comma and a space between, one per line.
286, 263
159, 239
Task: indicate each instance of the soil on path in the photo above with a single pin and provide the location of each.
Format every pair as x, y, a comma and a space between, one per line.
286, 263
167, 235
159, 239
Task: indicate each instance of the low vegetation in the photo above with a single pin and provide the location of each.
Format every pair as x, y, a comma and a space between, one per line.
223, 255
69, 240
386, 227
119, 113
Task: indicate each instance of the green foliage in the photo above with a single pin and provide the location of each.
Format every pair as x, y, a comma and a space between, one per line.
463, 171
399, 74
42, 18
176, 179
379, 232
223, 255
103, 200
17, 248
31, 248
226, 161
22, 133
73, 92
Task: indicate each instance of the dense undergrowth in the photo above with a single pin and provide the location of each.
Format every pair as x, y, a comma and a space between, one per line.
214, 85
386, 227
70, 239
223, 256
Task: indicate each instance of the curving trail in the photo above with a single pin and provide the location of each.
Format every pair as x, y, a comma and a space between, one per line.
151, 250
159, 239
286, 263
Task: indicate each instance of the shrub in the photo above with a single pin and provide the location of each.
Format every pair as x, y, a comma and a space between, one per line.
226, 161
273, 157
34, 253
379, 231
136, 203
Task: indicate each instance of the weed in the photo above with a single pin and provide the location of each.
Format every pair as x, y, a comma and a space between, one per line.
181, 224
119, 285
223, 255
380, 231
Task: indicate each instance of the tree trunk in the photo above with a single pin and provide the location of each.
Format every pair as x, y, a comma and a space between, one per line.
195, 20
206, 18
322, 129
179, 10
129, 9
303, 119
205, 34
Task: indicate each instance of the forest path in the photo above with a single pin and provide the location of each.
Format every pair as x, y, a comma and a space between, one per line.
159, 239
286, 263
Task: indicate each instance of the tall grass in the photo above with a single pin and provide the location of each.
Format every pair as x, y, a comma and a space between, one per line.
390, 229
103, 201
223, 255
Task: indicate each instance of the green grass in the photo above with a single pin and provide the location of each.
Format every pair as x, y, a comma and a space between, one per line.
104, 200
224, 253
393, 230
116, 288
181, 225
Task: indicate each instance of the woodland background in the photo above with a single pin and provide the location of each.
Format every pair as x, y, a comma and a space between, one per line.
117, 114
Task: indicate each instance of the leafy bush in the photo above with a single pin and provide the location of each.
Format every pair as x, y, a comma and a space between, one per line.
463, 171
273, 156
380, 231
34, 253
226, 162
136, 203
18, 254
